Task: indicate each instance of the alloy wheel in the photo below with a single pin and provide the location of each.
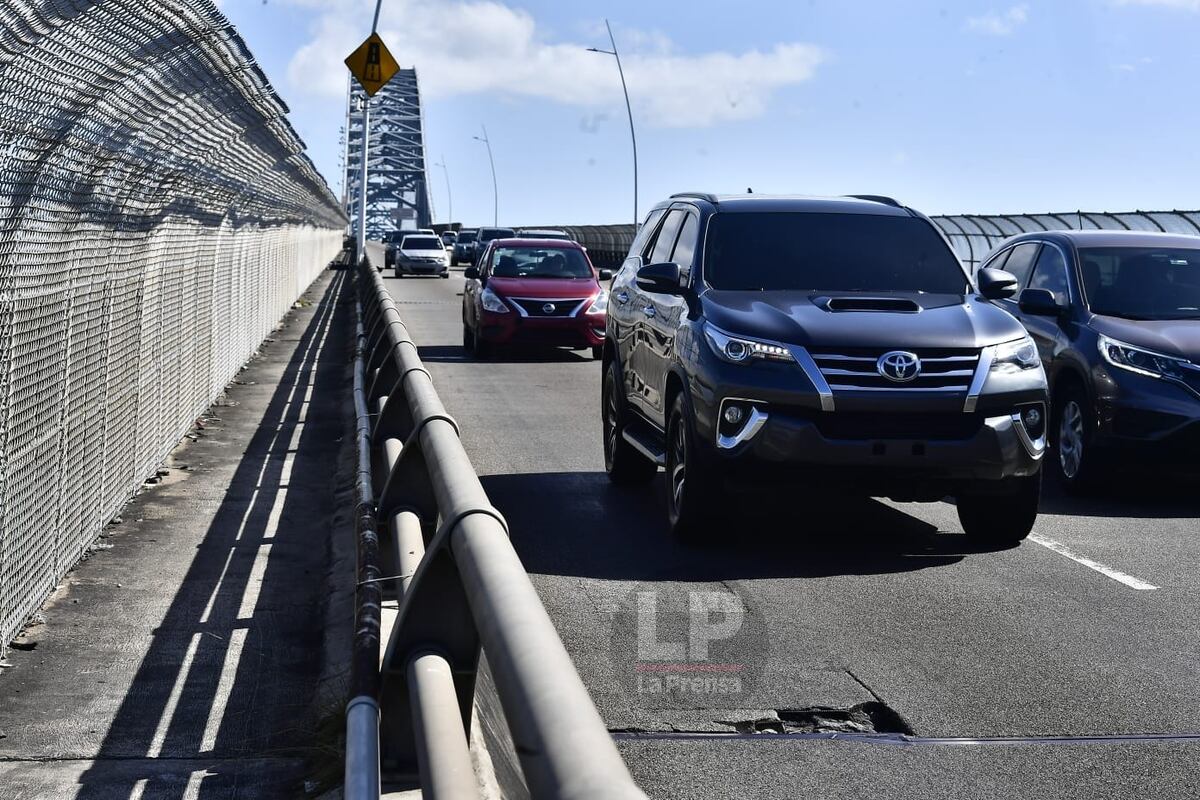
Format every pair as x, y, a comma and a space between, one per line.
678, 476
1070, 439
610, 422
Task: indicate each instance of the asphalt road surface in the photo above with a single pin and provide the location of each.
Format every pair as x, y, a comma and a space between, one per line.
1072, 657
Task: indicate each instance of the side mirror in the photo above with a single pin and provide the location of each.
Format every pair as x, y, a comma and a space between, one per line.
606, 275
471, 273
996, 284
662, 278
1039, 303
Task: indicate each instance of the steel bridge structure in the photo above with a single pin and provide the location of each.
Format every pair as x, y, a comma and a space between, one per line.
397, 182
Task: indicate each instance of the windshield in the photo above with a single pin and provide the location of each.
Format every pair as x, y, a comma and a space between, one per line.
496, 233
549, 262
1142, 282
829, 252
466, 237
421, 243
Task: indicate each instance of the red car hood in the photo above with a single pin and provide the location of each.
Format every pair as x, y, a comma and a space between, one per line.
544, 288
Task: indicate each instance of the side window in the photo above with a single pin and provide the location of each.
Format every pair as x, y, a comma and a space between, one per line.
666, 237
685, 248
997, 262
1020, 261
1050, 273
645, 232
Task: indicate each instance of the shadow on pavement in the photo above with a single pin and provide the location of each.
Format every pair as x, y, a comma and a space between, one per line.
221, 705
1128, 493
577, 523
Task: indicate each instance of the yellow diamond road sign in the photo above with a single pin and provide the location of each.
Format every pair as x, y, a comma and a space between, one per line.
372, 64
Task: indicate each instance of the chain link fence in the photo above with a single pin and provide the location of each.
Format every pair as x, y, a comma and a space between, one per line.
158, 217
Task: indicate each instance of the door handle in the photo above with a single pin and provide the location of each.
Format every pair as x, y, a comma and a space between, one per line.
622, 297
649, 311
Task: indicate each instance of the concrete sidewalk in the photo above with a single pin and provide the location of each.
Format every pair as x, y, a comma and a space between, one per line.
184, 658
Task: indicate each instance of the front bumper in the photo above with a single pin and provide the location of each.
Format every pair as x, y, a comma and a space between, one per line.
421, 267
583, 330
893, 444
1147, 419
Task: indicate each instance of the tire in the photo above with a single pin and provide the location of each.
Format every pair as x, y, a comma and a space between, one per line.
597, 353
479, 349
446, 275
623, 463
1072, 431
1003, 518
453, 261
695, 499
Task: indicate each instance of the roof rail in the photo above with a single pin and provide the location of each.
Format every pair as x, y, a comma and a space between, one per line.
877, 198
709, 196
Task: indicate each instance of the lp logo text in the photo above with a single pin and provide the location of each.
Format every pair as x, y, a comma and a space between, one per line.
689, 662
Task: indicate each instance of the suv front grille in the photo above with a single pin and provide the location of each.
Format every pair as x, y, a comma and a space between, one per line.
855, 370
534, 307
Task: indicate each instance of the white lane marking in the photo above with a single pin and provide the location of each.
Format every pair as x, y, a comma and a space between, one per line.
1103, 569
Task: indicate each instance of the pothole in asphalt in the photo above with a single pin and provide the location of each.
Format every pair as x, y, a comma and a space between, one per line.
870, 717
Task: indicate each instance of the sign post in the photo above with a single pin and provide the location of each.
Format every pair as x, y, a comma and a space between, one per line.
373, 66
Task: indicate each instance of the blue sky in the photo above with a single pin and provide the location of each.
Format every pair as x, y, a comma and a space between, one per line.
969, 107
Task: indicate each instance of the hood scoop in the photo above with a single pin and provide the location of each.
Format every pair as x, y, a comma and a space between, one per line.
858, 303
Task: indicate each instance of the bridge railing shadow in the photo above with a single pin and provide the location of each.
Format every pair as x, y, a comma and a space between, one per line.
230, 676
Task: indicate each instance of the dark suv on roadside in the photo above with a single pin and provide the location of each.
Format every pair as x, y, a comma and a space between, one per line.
778, 343
1116, 319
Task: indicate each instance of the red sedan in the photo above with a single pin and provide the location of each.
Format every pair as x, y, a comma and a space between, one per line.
535, 292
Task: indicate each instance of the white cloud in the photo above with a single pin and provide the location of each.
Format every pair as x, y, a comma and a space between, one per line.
1186, 5
483, 46
1000, 23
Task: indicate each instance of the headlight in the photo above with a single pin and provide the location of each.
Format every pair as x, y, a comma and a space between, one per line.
737, 350
599, 305
1143, 362
492, 302
1016, 356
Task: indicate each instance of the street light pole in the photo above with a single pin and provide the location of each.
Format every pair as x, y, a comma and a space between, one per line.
495, 186
628, 110
449, 196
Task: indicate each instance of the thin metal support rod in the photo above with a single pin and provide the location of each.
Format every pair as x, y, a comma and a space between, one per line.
362, 196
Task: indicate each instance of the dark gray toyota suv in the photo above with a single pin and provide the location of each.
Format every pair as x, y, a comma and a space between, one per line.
834, 342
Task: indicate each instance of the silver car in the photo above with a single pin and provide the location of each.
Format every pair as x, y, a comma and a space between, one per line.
422, 254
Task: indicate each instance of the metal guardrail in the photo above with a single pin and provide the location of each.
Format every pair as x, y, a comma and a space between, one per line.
429, 536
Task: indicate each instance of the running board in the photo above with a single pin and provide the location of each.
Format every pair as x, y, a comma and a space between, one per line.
645, 443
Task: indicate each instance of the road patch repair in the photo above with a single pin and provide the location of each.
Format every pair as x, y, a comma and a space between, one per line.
188, 655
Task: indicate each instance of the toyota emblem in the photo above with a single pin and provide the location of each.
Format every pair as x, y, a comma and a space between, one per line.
548, 308
899, 366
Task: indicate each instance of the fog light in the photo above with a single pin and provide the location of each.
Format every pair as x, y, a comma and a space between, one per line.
1033, 417
734, 414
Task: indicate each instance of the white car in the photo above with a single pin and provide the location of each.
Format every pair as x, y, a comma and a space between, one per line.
422, 254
